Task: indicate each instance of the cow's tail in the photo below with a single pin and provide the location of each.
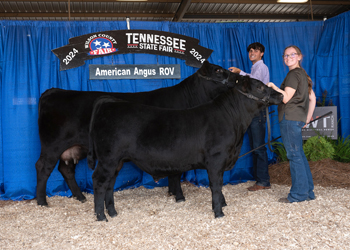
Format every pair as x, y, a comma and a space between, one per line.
91, 157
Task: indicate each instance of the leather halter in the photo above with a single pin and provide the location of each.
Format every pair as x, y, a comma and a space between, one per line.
264, 100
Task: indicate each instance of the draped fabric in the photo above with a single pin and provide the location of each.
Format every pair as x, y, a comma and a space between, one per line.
28, 68
333, 67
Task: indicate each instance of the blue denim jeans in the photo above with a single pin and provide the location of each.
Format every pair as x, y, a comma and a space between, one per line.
302, 183
256, 132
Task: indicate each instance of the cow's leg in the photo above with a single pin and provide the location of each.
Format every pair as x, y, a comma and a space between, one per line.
44, 168
175, 187
68, 173
215, 183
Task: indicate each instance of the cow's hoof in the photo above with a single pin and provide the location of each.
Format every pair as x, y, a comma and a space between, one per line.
102, 218
80, 198
42, 203
83, 200
181, 200
219, 215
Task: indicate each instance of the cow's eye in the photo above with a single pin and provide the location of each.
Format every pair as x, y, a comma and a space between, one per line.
261, 88
219, 71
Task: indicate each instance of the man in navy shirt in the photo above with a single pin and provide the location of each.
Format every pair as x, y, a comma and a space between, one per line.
257, 128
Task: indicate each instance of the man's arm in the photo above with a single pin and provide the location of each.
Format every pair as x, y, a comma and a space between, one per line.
234, 70
261, 72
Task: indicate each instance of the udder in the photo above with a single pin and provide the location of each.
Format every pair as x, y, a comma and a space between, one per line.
74, 154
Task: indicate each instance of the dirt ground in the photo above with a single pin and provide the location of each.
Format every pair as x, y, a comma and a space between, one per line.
325, 173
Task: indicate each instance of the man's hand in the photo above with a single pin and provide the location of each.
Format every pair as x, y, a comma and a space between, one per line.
234, 70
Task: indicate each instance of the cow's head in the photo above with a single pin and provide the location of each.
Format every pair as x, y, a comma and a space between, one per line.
217, 75
258, 91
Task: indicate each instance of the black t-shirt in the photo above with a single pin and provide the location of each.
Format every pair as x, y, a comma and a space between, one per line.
297, 107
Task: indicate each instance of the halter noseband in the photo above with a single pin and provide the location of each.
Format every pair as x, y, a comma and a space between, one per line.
264, 100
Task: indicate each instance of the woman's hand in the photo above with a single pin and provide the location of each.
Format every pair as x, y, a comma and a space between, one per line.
287, 93
271, 85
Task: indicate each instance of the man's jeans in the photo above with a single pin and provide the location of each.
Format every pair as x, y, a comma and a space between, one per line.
302, 183
256, 133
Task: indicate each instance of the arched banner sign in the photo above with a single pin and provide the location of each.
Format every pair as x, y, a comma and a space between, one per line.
105, 43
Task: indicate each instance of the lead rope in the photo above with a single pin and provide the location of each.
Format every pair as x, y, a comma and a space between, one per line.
268, 128
268, 132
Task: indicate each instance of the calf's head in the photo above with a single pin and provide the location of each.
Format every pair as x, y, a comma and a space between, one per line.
258, 91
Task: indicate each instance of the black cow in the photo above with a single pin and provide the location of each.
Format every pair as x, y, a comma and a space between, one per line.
64, 118
165, 142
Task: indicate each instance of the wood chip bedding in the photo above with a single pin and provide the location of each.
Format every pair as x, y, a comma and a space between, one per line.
150, 219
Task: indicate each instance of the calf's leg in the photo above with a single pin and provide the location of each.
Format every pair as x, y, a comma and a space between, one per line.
174, 183
109, 198
218, 200
171, 185
101, 180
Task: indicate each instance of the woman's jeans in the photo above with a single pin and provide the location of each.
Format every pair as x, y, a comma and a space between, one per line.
256, 133
302, 183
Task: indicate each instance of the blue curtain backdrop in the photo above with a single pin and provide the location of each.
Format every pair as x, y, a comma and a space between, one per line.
28, 68
333, 67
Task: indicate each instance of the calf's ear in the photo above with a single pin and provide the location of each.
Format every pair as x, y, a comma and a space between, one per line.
246, 86
205, 69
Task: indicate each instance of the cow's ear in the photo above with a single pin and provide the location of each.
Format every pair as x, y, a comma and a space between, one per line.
205, 69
